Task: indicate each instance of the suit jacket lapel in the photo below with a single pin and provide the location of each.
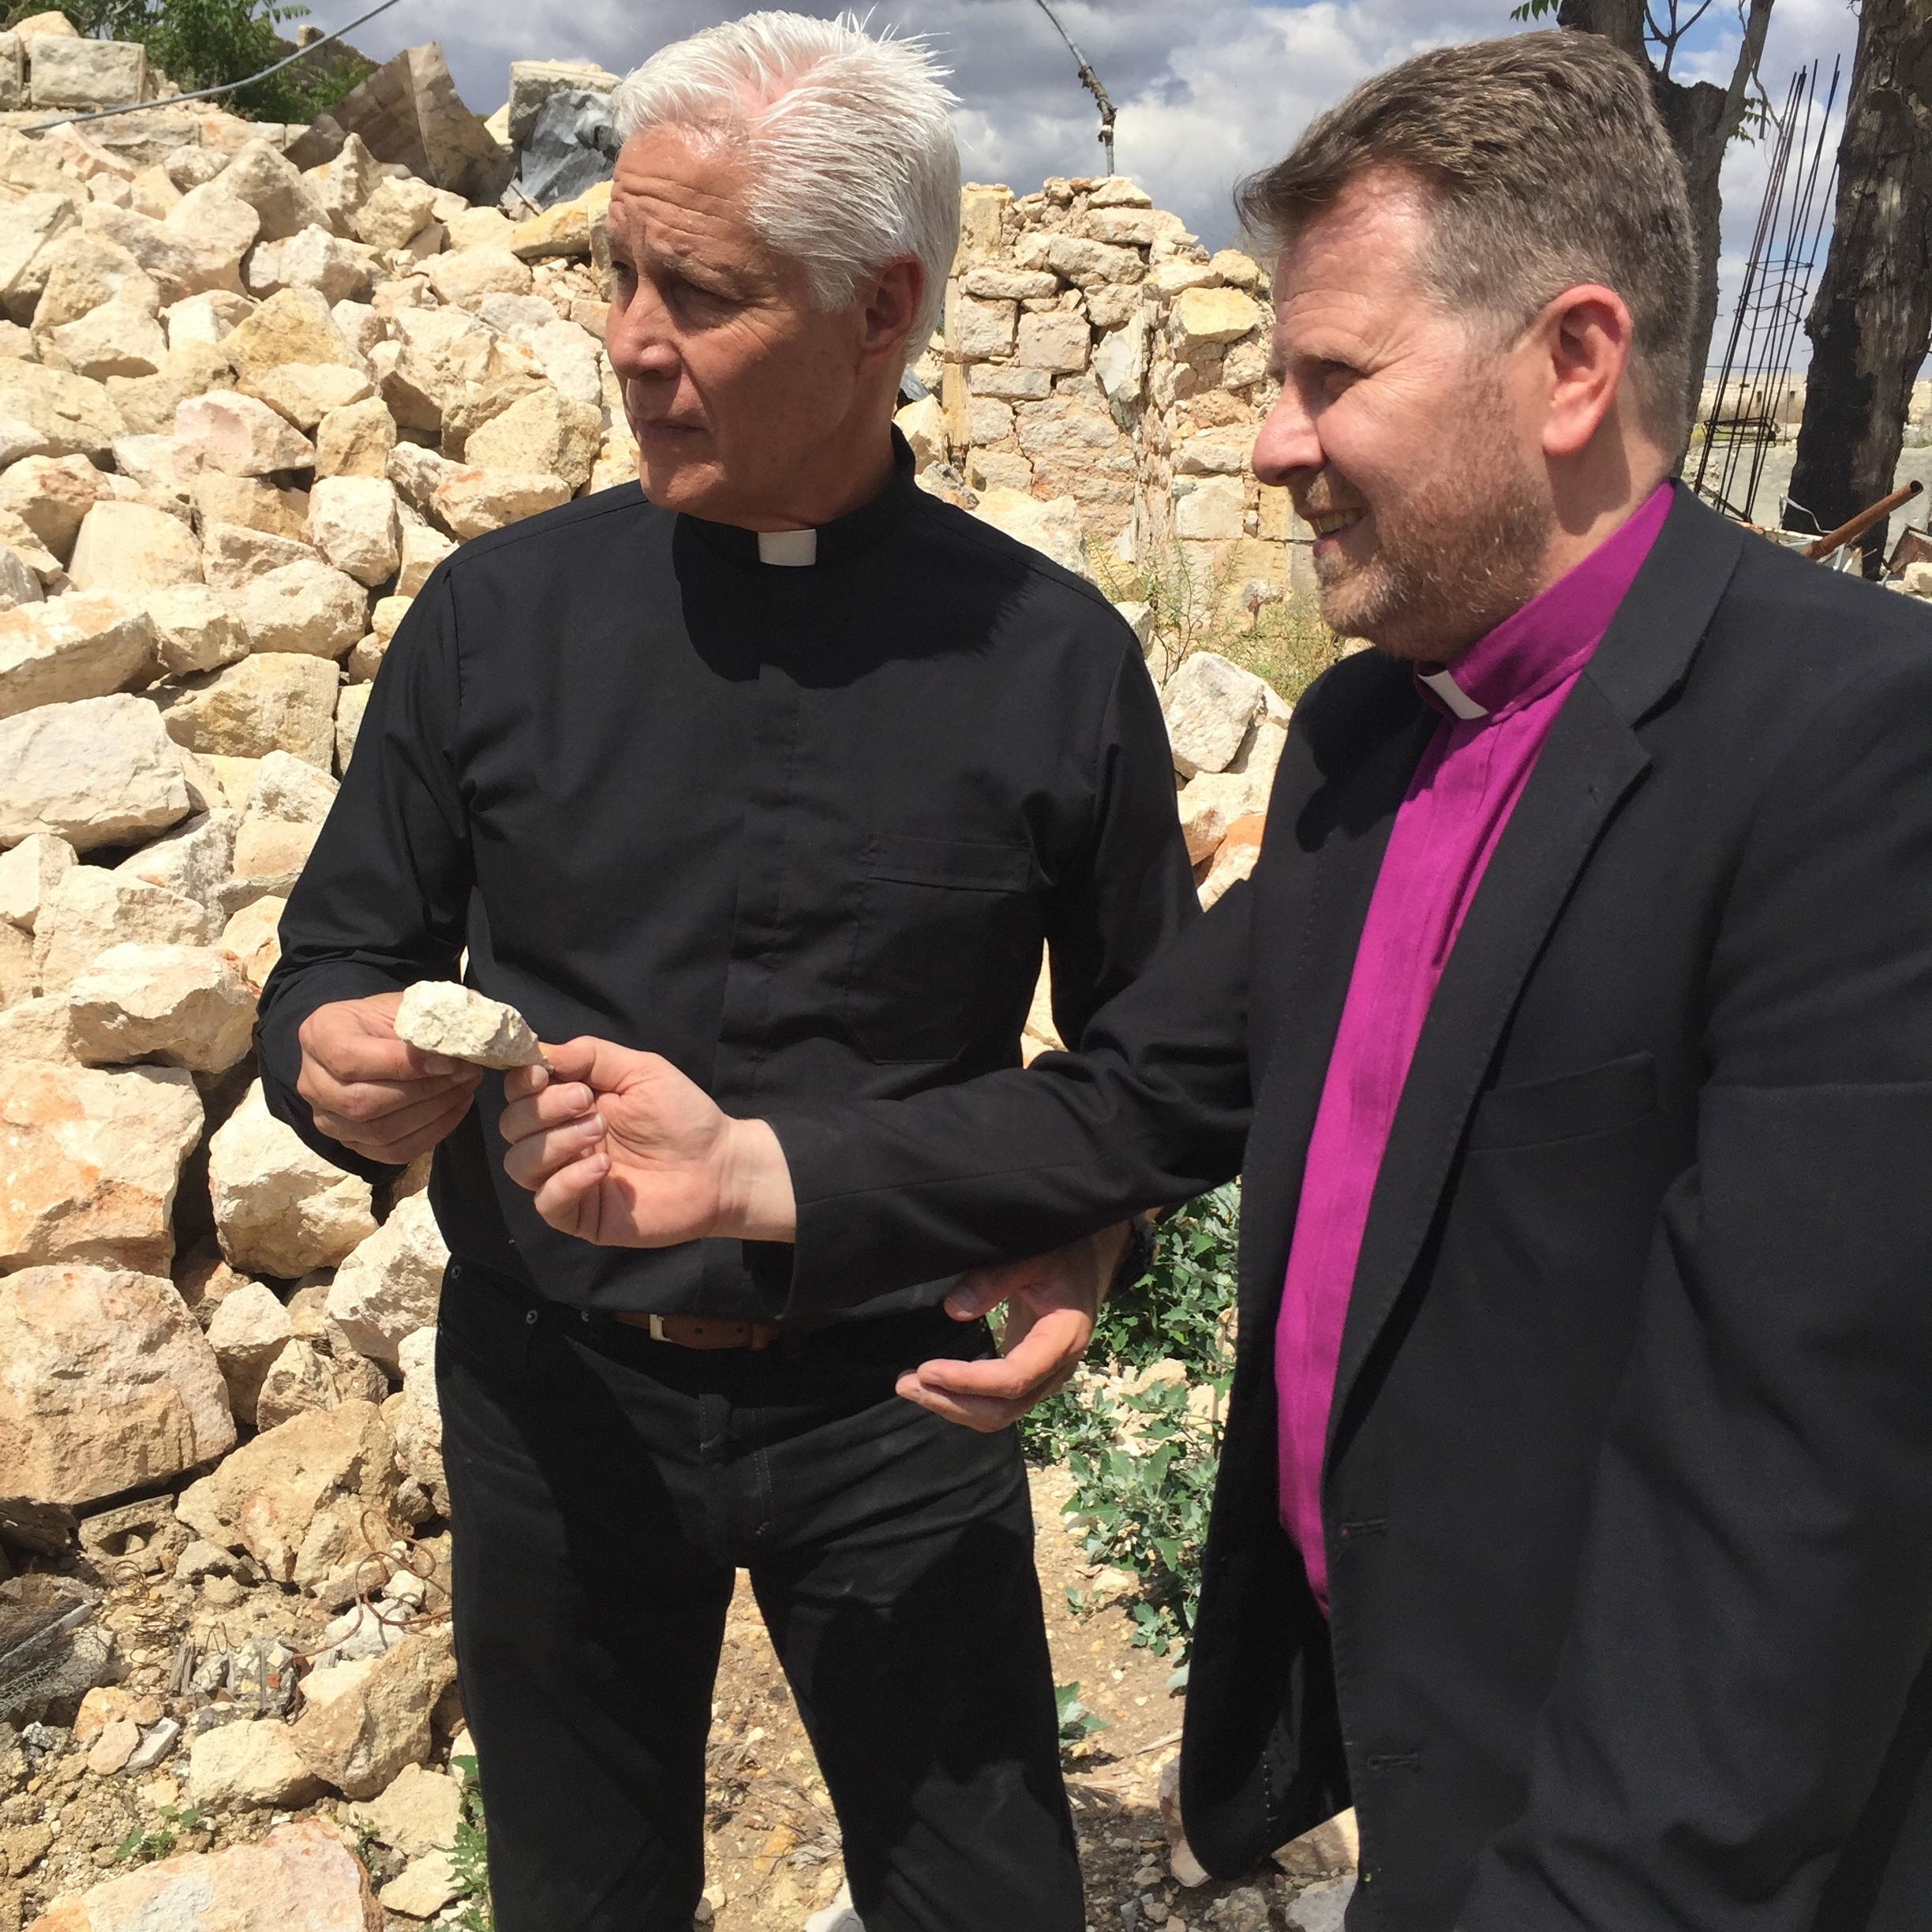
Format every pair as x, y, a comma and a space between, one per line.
1590, 761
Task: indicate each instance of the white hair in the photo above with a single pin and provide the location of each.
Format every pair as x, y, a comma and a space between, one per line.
850, 139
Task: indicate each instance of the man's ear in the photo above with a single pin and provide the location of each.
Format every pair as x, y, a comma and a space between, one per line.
890, 306
1584, 336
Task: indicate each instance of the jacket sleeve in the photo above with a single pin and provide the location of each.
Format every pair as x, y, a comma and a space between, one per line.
383, 898
1153, 1109
1133, 890
1755, 1601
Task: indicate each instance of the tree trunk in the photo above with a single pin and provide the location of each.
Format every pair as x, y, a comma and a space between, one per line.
1701, 119
1868, 326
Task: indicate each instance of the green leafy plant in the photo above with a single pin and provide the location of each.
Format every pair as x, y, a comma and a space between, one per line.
470, 1858
1178, 1310
1078, 1723
157, 1842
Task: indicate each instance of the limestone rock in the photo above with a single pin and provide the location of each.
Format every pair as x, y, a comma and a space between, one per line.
355, 440
240, 435
337, 269
1201, 317
19, 582
1086, 264
294, 326
1239, 849
425, 1886
346, 182
205, 318
305, 1378
132, 548
86, 74
419, 1812
18, 981
157, 464
232, 555
182, 1006
544, 434
265, 180
280, 1208
439, 1017
300, 1878
105, 1381
478, 500
417, 1419
28, 228
1214, 511
350, 707
194, 629
116, 339
566, 228
28, 874
393, 213
253, 936
36, 1029
1058, 340
92, 908
361, 1742
354, 521
254, 1762
280, 702
84, 645
247, 1331
418, 474
294, 1498
1052, 527
1210, 706
251, 504
389, 1288
52, 495
306, 608
305, 392
99, 772
463, 280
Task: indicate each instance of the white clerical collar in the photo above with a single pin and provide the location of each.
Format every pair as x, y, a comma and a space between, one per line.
1447, 689
795, 549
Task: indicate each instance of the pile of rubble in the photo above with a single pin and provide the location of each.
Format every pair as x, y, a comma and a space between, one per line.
255, 383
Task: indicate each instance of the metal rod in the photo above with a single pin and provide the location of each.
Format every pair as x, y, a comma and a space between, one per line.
227, 87
1091, 81
1853, 528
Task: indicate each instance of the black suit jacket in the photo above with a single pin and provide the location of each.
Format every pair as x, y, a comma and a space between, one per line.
1629, 1481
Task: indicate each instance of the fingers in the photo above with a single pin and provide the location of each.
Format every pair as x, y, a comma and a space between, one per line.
980, 1291
567, 1198
397, 1139
548, 1150
989, 1394
551, 1105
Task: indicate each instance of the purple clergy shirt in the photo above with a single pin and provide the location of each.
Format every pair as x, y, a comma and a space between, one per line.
1497, 709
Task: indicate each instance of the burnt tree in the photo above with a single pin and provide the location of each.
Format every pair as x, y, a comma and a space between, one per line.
1868, 325
1701, 117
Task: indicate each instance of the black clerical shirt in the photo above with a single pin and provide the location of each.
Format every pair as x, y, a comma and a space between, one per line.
800, 828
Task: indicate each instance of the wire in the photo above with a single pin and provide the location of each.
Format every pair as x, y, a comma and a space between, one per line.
227, 87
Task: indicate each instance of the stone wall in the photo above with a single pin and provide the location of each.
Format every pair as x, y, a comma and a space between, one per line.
1097, 358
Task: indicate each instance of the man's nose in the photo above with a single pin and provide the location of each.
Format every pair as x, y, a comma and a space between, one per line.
637, 336
1289, 442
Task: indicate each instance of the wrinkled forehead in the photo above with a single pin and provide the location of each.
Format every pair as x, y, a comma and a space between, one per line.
671, 191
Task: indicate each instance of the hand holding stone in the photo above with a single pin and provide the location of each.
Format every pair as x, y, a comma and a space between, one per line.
379, 1096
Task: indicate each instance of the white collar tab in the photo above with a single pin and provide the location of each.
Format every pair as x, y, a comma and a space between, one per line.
1449, 691
794, 549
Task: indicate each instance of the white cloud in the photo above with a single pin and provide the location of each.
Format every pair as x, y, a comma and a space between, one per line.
1207, 90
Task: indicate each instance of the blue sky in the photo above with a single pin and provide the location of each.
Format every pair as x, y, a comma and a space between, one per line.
1207, 89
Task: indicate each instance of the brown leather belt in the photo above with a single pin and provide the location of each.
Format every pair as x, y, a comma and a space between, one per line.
695, 1331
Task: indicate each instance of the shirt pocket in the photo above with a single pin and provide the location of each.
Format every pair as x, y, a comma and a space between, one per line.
948, 937
1600, 1100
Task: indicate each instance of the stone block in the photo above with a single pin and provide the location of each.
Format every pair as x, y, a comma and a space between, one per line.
463, 280
116, 339
98, 771
192, 861
532, 83
285, 204
85, 645
232, 557
280, 1208
568, 228
281, 701
1202, 317
85, 75
353, 523
476, 501
173, 1005
253, 936
1210, 706
106, 1382
362, 1742
355, 440
310, 609
28, 228
1011, 284
240, 435
388, 1289
1213, 510
982, 212
976, 330
134, 549
92, 908
52, 495
1052, 527
305, 392
338, 269
350, 707
394, 213
28, 874
422, 550
544, 434
247, 501
1008, 384
74, 415
293, 326
194, 629
1087, 264
1058, 341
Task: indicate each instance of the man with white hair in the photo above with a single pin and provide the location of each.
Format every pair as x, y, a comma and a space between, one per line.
783, 770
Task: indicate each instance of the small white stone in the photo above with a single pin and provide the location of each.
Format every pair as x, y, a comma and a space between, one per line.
439, 1017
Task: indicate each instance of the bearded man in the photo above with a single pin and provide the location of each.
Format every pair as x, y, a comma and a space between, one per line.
785, 769
1574, 1034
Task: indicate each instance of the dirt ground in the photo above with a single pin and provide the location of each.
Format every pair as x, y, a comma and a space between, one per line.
773, 1853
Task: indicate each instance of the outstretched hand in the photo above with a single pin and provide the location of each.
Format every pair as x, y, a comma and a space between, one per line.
1052, 1303
620, 1148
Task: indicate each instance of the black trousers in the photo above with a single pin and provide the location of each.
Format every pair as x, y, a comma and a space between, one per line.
604, 1488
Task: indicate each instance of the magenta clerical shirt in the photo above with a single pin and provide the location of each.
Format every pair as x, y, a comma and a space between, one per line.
1498, 706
